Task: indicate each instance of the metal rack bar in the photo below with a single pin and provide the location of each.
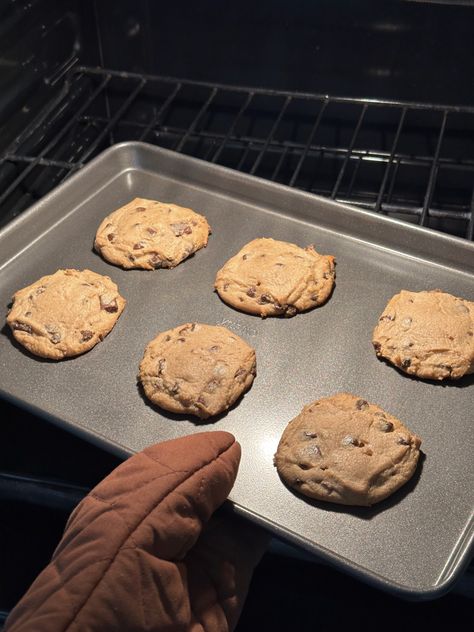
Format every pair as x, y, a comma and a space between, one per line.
155, 120
231, 129
279, 164
55, 140
296, 147
196, 119
308, 145
383, 189
349, 151
269, 138
470, 226
390, 161
269, 92
433, 172
113, 121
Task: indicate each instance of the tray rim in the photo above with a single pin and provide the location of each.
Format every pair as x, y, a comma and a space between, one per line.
464, 548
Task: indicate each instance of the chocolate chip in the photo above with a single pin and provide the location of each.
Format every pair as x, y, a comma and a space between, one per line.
309, 435
131, 258
279, 264
180, 339
406, 363
226, 287
304, 466
329, 488
387, 317
139, 245
86, 335
446, 367
140, 208
110, 307
245, 257
181, 228
402, 441
314, 297
27, 314
161, 365
361, 404
290, 311
212, 386
251, 292
151, 231
168, 338
156, 261
175, 389
111, 236
350, 440
265, 298
385, 425
240, 373
377, 346
22, 327
55, 338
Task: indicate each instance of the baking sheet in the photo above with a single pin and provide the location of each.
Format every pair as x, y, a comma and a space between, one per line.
416, 542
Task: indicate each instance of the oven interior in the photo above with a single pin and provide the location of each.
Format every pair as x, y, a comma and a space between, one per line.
366, 104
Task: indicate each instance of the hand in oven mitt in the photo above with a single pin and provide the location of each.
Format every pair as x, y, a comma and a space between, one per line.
143, 550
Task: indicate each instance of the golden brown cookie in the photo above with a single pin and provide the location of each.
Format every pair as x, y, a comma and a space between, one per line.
147, 234
427, 334
341, 449
273, 278
197, 369
66, 313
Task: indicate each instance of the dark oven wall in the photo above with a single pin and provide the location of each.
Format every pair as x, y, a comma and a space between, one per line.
383, 50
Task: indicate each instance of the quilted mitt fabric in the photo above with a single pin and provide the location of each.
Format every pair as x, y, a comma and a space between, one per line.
141, 553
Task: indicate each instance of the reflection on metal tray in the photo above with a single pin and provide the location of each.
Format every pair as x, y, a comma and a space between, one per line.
414, 543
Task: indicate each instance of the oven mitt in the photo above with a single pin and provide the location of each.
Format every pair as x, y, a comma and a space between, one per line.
141, 553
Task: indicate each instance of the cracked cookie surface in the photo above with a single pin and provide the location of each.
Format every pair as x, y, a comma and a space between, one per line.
66, 313
148, 234
275, 278
197, 369
341, 449
428, 334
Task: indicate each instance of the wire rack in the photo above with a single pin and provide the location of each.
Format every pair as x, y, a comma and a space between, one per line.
413, 161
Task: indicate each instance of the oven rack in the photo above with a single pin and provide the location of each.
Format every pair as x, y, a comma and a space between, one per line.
414, 161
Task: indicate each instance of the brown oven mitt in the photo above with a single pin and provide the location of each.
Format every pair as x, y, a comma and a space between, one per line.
139, 552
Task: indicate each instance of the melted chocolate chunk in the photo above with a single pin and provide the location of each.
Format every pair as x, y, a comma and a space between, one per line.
22, 327
361, 404
86, 335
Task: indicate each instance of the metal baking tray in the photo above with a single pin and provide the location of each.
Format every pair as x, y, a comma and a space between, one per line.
416, 542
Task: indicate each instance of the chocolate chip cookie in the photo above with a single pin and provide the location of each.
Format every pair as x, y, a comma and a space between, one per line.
65, 314
341, 449
197, 369
147, 234
427, 334
275, 278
